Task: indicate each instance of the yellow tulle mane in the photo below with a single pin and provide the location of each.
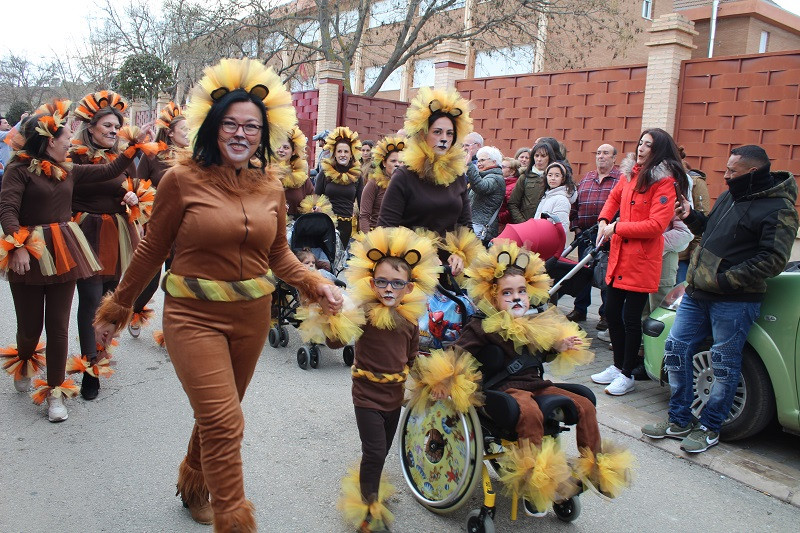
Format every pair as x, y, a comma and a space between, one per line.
382, 150
610, 471
343, 134
347, 177
450, 373
255, 78
316, 204
415, 248
490, 265
353, 506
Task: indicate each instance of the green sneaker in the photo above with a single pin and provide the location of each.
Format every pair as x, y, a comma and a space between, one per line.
699, 440
659, 430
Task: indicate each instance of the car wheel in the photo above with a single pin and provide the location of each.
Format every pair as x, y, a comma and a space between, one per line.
754, 403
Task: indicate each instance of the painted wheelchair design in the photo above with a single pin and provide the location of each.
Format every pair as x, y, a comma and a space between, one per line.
446, 454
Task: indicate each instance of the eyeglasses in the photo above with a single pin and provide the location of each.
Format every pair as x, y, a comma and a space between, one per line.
483, 160
231, 126
397, 284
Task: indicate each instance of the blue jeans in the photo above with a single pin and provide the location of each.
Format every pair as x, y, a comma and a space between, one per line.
683, 268
584, 298
728, 323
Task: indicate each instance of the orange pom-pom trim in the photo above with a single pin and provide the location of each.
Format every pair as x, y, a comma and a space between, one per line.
22, 368
68, 389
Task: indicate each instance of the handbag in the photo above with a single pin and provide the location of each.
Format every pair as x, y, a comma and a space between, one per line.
481, 231
600, 269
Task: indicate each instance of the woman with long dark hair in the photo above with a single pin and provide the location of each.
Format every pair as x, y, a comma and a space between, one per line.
218, 299
44, 252
340, 179
645, 200
530, 186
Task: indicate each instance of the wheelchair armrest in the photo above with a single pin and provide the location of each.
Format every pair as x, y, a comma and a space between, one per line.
581, 390
557, 407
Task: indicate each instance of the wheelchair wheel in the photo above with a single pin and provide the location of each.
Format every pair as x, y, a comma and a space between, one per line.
283, 336
314, 356
348, 355
273, 338
477, 525
441, 455
303, 355
568, 510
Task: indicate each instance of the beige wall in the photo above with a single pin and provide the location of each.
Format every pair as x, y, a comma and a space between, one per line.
742, 35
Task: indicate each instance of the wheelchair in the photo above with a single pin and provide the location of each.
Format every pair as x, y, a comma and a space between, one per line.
445, 454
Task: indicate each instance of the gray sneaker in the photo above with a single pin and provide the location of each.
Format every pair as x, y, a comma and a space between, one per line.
659, 430
699, 440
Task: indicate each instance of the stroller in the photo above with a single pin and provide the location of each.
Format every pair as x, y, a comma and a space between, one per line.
573, 276
445, 454
317, 232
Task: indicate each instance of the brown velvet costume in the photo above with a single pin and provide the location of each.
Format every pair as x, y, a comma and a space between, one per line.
28, 200
223, 233
526, 385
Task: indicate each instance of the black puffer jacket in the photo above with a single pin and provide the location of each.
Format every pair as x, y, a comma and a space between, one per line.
746, 238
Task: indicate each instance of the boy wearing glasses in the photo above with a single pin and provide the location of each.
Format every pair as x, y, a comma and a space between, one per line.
388, 278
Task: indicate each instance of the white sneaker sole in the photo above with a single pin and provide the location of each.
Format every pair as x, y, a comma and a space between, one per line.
619, 393
56, 420
601, 381
702, 449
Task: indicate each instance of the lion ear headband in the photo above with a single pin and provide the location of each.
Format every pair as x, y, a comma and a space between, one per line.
504, 260
412, 257
259, 91
436, 106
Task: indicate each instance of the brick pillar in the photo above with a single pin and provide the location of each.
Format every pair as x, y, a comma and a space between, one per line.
135, 107
161, 103
330, 81
670, 44
449, 63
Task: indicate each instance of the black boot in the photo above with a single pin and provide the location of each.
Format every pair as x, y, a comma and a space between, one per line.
90, 386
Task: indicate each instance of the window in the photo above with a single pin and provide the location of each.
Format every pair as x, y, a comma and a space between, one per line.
764, 42
250, 48
387, 12
307, 32
504, 61
647, 9
441, 5
423, 73
392, 83
347, 22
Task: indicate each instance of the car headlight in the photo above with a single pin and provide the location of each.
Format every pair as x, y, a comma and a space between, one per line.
673, 298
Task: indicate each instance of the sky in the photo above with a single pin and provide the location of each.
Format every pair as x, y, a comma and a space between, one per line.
23, 19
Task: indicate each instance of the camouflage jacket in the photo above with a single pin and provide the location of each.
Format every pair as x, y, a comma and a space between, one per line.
746, 238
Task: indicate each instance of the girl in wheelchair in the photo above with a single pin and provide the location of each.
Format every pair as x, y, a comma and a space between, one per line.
503, 282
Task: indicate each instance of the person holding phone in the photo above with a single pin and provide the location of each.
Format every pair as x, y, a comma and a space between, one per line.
644, 197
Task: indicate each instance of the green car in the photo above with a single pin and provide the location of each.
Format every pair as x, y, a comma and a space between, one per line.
770, 381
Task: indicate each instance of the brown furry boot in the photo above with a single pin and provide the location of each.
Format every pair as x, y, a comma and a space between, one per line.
242, 520
194, 493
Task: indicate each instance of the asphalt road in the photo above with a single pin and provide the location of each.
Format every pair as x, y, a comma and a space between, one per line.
112, 465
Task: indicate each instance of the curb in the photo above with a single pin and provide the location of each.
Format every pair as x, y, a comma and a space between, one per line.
769, 477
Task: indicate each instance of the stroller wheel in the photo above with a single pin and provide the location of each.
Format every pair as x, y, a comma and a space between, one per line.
303, 355
273, 338
568, 510
348, 355
314, 358
284, 336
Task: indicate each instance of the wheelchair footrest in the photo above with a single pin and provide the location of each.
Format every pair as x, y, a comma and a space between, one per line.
557, 407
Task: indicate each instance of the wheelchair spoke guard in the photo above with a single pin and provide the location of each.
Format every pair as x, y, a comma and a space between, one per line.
441, 454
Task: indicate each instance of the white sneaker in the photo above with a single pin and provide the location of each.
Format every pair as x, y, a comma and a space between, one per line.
604, 336
607, 376
56, 412
622, 384
134, 330
530, 510
22, 385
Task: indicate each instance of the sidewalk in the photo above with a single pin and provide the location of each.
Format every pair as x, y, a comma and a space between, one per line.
767, 462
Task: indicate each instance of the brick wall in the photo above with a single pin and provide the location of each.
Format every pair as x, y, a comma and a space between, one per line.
731, 101
582, 108
372, 118
305, 103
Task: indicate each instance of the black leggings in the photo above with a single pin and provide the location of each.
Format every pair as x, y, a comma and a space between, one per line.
47, 306
345, 227
376, 429
90, 292
624, 317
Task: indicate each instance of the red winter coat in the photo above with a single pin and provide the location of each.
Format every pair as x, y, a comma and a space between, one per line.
505, 214
634, 262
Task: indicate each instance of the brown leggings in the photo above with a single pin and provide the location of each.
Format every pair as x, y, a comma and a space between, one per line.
376, 429
47, 306
214, 347
531, 421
